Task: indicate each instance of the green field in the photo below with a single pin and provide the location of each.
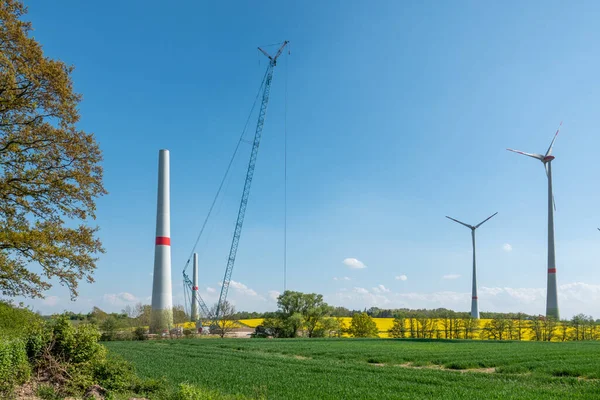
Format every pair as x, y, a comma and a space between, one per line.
373, 368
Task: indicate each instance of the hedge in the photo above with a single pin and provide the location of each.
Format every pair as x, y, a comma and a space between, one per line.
14, 365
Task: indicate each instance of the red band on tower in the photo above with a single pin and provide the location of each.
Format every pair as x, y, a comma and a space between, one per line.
551, 270
195, 288
474, 298
163, 241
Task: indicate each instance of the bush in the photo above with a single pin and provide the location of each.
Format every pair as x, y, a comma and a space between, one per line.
14, 366
114, 373
70, 360
69, 344
15, 321
47, 392
139, 334
109, 329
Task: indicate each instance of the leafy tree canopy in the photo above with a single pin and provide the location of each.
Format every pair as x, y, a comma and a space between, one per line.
50, 174
362, 326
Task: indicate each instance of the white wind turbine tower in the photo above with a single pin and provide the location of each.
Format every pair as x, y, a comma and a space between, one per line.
474, 299
551, 296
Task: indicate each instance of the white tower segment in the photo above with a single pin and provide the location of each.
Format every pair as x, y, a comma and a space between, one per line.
474, 298
162, 296
194, 314
552, 293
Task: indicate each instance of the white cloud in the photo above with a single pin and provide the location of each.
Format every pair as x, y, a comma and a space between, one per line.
51, 300
211, 290
359, 297
242, 289
507, 247
119, 299
274, 294
401, 277
380, 289
345, 278
354, 263
451, 276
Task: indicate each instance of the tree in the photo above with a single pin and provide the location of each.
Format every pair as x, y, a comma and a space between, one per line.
50, 174
227, 321
362, 325
398, 329
179, 314
143, 312
109, 329
97, 316
577, 323
537, 328
549, 325
314, 312
520, 325
331, 327
496, 328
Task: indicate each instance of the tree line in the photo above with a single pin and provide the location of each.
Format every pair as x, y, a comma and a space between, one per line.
308, 315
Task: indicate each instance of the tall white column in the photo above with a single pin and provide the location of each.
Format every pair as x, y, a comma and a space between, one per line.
194, 312
162, 295
552, 295
474, 300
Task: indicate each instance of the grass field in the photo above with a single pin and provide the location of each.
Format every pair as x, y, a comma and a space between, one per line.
373, 368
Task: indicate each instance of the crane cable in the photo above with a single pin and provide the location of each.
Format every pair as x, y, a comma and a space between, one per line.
285, 177
241, 139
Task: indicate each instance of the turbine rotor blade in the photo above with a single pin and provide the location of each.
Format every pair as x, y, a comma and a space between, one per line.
533, 155
549, 152
485, 220
462, 223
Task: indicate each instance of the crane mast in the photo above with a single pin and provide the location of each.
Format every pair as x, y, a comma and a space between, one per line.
249, 174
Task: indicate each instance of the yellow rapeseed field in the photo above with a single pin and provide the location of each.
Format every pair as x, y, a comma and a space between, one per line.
385, 324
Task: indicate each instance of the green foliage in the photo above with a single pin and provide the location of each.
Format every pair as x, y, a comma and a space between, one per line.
139, 333
297, 310
16, 321
47, 392
114, 373
50, 175
14, 366
328, 327
72, 358
363, 326
179, 314
109, 329
71, 344
398, 329
339, 368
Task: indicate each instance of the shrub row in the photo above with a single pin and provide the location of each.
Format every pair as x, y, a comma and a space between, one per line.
14, 366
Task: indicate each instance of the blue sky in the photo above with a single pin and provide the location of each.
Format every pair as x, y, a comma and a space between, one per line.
398, 113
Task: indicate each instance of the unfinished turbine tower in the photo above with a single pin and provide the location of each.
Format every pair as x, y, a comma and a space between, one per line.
474, 299
194, 315
551, 294
162, 297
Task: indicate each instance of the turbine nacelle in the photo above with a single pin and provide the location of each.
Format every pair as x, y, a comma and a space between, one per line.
546, 158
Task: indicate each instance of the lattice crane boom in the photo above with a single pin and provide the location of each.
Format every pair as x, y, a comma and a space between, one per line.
249, 175
188, 284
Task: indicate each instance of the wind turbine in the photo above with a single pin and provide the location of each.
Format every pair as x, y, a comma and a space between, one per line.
474, 300
551, 296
